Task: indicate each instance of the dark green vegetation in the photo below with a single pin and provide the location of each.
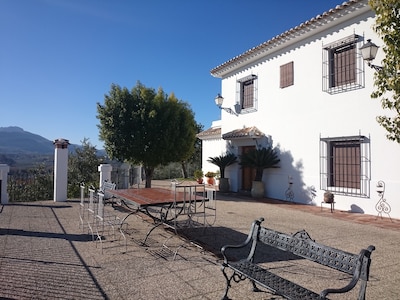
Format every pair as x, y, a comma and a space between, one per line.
387, 80
223, 161
147, 127
260, 159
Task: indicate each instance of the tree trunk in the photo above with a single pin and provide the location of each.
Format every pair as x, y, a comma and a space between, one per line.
149, 171
184, 170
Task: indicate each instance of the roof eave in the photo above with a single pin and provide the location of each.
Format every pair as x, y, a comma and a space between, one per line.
339, 14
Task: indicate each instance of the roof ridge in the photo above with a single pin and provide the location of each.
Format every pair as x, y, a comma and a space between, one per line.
288, 34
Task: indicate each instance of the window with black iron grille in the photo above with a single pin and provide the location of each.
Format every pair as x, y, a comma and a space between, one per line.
286, 75
343, 67
345, 165
247, 93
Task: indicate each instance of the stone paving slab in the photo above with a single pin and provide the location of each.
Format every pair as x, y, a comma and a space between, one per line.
45, 255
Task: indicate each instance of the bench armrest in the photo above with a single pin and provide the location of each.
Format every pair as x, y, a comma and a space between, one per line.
362, 271
251, 236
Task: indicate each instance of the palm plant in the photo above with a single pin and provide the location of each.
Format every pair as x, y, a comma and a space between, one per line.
260, 159
223, 161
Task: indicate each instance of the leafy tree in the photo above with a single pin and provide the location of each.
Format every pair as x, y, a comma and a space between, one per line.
83, 167
387, 80
147, 127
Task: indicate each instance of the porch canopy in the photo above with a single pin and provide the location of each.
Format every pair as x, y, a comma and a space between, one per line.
244, 133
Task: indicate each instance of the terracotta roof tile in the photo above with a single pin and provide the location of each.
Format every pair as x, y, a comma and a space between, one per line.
247, 132
213, 132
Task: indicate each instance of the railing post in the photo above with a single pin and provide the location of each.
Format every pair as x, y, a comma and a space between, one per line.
105, 173
60, 170
4, 169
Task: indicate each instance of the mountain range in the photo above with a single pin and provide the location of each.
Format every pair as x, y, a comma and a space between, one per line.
23, 149
15, 140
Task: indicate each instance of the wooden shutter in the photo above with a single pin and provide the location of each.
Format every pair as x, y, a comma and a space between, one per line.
287, 76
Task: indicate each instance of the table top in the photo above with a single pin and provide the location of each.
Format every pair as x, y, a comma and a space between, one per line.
152, 196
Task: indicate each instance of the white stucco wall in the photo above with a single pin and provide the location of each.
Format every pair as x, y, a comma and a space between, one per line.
297, 116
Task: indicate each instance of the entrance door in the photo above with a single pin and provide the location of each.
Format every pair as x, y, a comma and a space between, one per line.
248, 174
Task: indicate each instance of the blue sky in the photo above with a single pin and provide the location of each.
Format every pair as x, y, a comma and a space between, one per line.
58, 58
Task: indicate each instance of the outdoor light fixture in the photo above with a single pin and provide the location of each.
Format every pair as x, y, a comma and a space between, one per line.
380, 188
219, 100
368, 52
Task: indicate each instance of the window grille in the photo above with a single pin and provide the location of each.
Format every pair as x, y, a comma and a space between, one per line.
246, 91
345, 165
343, 66
286, 75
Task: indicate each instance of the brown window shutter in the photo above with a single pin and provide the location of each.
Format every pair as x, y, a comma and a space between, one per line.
286, 75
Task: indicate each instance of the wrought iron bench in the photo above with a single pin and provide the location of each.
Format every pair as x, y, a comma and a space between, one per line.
302, 246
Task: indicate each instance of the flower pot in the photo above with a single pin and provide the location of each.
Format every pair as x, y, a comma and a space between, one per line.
257, 189
200, 180
328, 197
224, 185
210, 180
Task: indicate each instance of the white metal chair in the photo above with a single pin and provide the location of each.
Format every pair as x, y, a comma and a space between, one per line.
83, 206
106, 222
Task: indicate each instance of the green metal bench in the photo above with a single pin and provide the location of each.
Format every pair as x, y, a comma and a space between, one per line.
302, 246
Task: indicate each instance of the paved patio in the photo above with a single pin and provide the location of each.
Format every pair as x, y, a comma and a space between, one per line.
45, 255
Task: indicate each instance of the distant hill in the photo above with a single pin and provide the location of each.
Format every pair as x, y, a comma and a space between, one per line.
19, 147
15, 140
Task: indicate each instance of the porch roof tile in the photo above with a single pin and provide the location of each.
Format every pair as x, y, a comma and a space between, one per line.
247, 132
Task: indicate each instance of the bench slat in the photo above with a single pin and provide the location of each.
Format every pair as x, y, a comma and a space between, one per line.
272, 282
303, 246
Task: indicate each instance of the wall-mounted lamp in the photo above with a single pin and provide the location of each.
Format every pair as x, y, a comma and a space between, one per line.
368, 52
219, 100
380, 188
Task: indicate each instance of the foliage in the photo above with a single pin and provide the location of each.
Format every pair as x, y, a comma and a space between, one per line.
387, 81
30, 185
260, 159
223, 161
146, 127
198, 174
83, 167
210, 174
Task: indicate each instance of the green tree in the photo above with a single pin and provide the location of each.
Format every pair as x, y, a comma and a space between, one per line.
387, 80
147, 127
83, 167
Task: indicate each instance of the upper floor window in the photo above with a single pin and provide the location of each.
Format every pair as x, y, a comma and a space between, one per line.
345, 165
247, 93
286, 75
343, 66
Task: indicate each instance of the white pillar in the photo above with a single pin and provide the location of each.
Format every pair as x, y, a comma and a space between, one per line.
4, 169
125, 168
60, 170
105, 173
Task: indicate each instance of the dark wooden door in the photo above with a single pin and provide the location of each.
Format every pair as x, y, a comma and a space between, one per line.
248, 174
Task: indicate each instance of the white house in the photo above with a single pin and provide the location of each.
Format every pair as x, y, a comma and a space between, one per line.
306, 93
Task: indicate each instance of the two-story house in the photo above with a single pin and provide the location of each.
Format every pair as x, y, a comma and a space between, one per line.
307, 93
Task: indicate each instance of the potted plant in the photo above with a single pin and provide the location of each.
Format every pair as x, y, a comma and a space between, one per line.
329, 197
259, 159
198, 175
222, 162
210, 177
